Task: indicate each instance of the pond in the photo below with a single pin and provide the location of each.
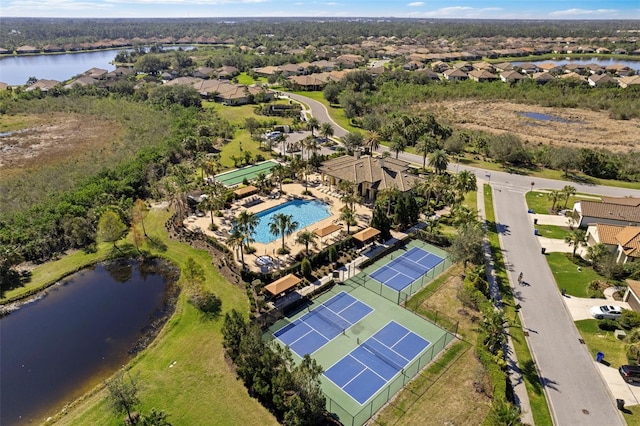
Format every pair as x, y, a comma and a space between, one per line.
545, 117
85, 328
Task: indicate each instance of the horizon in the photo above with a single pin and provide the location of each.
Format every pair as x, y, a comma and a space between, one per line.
543, 10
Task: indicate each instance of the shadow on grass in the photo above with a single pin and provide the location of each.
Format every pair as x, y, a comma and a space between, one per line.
530, 374
156, 243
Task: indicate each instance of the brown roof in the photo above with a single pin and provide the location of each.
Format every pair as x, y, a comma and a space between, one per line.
366, 234
607, 233
629, 239
283, 284
634, 286
394, 174
620, 212
323, 232
243, 192
626, 201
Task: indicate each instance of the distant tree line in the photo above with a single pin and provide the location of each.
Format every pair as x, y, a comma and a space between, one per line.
293, 32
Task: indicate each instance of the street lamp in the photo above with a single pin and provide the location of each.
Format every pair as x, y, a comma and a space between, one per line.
488, 175
532, 184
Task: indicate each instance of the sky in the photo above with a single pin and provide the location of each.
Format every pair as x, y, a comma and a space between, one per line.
457, 9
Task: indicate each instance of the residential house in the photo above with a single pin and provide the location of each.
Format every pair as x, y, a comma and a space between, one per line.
6, 52
512, 76
463, 66
550, 67
632, 295
323, 65
349, 61
227, 72
27, 49
611, 210
504, 66
483, 66
622, 241
455, 75
633, 81
308, 82
601, 80
413, 65
528, 68
369, 174
82, 81
43, 85
203, 72
576, 68
96, 73
620, 70
440, 66
50, 48
482, 76
603, 50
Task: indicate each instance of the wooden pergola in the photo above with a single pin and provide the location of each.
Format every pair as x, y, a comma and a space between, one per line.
247, 190
366, 234
283, 284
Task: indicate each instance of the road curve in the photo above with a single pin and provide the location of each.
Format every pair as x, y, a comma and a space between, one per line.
576, 391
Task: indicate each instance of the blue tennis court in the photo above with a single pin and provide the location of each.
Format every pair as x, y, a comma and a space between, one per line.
370, 366
316, 328
407, 268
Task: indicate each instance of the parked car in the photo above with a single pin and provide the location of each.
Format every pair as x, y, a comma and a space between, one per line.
273, 135
630, 373
606, 312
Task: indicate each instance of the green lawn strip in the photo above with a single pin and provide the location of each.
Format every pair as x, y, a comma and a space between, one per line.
598, 340
201, 385
49, 273
236, 148
632, 415
552, 231
540, 203
537, 398
567, 275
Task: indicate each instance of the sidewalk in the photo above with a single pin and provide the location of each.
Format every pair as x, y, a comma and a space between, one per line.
515, 375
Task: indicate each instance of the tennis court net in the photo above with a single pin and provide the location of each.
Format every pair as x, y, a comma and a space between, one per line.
333, 320
383, 357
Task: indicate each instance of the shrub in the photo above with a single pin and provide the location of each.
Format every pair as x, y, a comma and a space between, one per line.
608, 325
633, 336
333, 254
305, 267
205, 300
629, 319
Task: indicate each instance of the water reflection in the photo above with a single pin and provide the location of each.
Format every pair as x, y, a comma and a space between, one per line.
57, 348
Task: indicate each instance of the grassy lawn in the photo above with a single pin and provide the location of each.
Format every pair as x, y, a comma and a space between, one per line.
568, 276
445, 389
537, 398
201, 385
551, 231
335, 112
598, 340
540, 203
244, 78
235, 114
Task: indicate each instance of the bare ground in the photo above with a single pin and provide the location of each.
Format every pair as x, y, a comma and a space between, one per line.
52, 138
581, 128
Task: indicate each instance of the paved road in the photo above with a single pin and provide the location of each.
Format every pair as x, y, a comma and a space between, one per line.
576, 392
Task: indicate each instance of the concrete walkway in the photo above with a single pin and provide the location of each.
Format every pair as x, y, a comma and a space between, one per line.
515, 374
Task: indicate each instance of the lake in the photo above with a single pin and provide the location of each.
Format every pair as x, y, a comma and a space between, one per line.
84, 329
15, 70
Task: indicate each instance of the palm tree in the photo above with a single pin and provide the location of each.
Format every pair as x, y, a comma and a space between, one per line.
425, 145
280, 172
283, 225
306, 238
346, 215
372, 141
312, 125
398, 144
554, 196
575, 239
311, 145
246, 223
439, 161
236, 241
261, 181
568, 191
176, 197
465, 181
326, 130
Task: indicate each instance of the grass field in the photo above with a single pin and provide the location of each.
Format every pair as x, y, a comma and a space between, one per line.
443, 393
567, 275
551, 231
540, 203
598, 340
201, 385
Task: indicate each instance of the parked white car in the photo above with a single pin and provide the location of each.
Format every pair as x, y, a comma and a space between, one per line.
606, 312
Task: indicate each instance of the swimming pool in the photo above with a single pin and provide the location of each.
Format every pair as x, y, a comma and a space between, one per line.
303, 211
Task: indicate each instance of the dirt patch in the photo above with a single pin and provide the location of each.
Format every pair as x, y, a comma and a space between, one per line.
574, 127
53, 138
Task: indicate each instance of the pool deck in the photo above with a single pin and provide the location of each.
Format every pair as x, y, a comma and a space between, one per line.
363, 216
